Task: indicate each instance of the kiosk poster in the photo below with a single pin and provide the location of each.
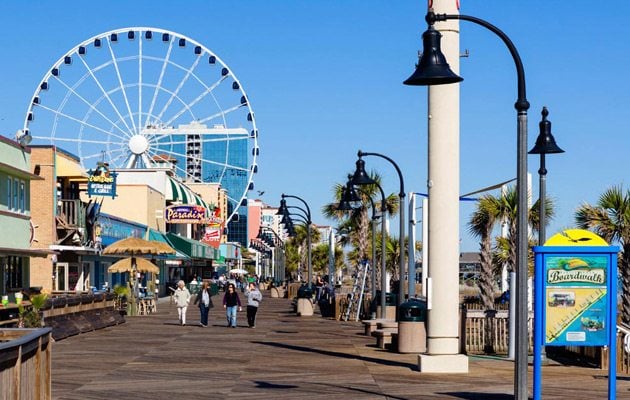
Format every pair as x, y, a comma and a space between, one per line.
576, 300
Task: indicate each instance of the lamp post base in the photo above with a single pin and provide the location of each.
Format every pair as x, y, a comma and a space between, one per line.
444, 363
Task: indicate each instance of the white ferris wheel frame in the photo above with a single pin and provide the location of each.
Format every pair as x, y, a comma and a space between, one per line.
189, 72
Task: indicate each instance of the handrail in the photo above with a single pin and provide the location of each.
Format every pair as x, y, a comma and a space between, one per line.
22, 340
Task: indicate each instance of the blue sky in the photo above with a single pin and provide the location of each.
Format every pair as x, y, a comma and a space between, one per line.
325, 79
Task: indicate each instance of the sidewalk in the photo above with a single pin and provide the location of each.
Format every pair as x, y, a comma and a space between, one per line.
285, 357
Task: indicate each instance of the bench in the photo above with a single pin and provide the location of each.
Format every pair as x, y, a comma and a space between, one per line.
370, 325
383, 337
384, 332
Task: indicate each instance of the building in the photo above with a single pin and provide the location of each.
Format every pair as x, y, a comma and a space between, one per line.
17, 231
267, 237
192, 146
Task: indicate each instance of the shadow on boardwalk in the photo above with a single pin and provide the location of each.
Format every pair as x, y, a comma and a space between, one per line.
285, 357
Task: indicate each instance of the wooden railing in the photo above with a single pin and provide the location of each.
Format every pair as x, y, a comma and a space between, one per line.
25, 363
73, 211
475, 339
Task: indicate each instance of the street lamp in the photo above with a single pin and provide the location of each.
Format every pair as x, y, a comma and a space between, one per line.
348, 198
284, 210
360, 177
401, 216
272, 240
545, 144
433, 69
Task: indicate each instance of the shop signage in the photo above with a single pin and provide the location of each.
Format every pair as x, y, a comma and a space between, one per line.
185, 214
214, 228
101, 181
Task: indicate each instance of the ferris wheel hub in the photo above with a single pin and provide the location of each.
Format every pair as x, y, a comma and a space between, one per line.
138, 144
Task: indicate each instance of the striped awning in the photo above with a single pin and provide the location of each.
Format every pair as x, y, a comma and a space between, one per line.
177, 191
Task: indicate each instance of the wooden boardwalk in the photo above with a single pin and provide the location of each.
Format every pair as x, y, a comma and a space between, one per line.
285, 357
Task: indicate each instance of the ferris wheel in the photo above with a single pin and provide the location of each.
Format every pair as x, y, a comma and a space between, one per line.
134, 96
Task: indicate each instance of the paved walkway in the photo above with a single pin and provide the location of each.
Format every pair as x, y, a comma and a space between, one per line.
285, 357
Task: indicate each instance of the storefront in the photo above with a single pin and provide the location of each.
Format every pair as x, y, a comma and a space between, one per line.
110, 229
199, 262
167, 263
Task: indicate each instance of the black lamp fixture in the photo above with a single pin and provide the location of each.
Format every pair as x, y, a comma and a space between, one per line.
432, 68
283, 210
545, 144
344, 203
349, 197
361, 177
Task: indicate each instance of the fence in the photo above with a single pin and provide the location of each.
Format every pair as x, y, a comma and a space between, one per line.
25, 364
475, 339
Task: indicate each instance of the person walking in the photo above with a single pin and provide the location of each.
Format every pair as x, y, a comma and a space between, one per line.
182, 299
253, 301
230, 302
204, 298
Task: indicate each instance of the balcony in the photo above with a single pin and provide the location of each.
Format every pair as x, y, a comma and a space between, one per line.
70, 220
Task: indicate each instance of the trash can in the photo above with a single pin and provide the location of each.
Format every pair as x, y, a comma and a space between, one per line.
390, 305
305, 301
412, 335
304, 292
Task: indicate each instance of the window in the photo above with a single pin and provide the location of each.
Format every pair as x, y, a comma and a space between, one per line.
22, 197
9, 195
16, 186
14, 272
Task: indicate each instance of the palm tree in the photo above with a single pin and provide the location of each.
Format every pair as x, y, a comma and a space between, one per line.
610, 219
490, 210
481, 225
296, 248
356, 222
506, 210
321, 258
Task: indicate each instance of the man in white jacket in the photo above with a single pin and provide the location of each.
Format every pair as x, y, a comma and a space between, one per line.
182, 298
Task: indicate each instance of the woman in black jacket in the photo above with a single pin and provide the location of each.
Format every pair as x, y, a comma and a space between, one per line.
230, 302
204, 298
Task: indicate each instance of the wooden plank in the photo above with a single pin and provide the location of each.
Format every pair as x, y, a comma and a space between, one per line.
284, 357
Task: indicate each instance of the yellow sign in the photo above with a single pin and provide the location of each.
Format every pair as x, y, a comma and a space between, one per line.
575, 237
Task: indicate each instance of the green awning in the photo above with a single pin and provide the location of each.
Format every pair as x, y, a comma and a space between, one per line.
177, 191
192, 248
161, 237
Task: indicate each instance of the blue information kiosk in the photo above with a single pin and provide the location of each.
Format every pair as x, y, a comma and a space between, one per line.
575, 297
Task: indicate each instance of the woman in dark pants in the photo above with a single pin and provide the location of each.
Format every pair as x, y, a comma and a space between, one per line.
230, 302
204, 298
253, 301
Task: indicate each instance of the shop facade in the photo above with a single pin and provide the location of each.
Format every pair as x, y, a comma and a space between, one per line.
16, 228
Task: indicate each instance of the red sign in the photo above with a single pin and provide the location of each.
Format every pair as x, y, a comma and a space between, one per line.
214, 229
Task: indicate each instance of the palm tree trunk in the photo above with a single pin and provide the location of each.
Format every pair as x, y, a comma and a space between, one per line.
486, 277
